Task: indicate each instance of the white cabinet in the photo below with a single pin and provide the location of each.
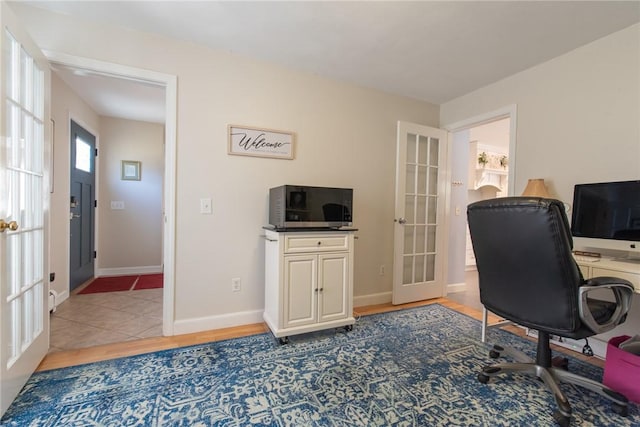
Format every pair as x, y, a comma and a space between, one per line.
308, 281
608, 267
624, 270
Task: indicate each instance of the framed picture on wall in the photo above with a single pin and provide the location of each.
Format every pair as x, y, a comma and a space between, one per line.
257, 142
131, 170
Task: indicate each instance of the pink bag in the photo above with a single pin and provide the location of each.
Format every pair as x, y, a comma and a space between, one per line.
622, 370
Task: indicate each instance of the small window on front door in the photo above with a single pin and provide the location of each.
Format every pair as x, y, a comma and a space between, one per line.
83, 155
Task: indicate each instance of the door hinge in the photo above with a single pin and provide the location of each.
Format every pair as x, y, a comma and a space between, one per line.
96, 152
95, 254
95, 203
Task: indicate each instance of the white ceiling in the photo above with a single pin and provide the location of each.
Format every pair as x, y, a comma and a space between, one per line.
431, 50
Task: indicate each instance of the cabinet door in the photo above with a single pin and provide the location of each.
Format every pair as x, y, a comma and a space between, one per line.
333, 282
300, 290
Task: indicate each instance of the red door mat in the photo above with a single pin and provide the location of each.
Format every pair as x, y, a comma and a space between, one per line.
149, 281
124, 283
109, 284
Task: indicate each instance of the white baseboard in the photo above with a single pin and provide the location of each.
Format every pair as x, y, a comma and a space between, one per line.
229, 320
62, 297
456, 287
129, 271
372, 299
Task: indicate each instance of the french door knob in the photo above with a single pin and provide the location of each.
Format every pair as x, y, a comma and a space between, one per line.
11, 225
402, 221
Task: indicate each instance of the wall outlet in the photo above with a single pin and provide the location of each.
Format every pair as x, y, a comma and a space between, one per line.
381, 270
117, 205
235, 284
205, 206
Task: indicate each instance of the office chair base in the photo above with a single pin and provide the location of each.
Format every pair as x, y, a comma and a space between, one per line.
552, 377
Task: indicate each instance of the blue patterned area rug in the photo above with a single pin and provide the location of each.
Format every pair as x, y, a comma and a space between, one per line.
413, 367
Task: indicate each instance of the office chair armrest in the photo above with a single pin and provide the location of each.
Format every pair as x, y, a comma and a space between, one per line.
623, 292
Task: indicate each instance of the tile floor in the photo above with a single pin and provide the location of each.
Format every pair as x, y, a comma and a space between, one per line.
105, 318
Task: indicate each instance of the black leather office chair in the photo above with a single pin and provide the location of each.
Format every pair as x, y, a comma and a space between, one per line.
527, 274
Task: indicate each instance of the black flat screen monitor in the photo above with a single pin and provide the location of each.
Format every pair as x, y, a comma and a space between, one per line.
607, 215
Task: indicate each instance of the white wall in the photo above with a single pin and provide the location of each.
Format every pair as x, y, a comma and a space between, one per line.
578, 120
578, 115
130, 240
65, 105
346, 137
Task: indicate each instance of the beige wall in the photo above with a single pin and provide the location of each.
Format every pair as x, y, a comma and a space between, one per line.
130, 240
578, 116
578, 121
65, 105
346, 136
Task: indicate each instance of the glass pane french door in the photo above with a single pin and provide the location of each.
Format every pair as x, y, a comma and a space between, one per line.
23, 286
419, 213
24, 182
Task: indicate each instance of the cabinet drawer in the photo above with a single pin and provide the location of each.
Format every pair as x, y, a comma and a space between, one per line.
320, 243
633, 278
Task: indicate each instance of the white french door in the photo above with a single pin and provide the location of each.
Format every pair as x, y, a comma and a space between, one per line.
24, 118
418, 268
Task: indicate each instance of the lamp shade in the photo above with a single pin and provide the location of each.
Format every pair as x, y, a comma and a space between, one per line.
536, 188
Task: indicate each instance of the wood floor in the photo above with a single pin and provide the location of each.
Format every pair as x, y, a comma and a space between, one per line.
129, 348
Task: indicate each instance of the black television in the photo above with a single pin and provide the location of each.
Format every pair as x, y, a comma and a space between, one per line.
302, 206
606, 215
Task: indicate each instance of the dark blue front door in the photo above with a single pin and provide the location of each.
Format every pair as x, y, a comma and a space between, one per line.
82, 214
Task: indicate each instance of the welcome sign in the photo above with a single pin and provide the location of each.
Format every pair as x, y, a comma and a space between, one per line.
249, 141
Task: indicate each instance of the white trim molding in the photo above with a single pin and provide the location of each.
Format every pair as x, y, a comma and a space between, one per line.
452, 288
129, 271
372, 299
207, 323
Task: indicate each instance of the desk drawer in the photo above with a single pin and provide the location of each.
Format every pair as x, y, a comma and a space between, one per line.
319, 243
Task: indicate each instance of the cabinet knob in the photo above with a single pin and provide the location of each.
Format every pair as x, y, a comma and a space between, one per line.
319, 243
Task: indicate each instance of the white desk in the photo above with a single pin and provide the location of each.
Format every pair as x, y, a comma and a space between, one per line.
602, 267
610, 267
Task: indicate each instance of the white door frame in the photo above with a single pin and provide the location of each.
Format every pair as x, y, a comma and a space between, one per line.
510, 112
170, 83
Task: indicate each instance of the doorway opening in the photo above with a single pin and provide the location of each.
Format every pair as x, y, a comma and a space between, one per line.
157, 173
482, 167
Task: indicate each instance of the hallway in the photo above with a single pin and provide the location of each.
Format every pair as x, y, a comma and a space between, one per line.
104, 318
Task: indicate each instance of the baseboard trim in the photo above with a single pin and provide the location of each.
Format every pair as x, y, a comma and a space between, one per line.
207, 323
456, 287
128, 271
372, 299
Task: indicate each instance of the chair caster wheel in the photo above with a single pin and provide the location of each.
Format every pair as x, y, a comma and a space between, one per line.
562, 420
483, 378
348, 328
283, 340
494, 354
622, 410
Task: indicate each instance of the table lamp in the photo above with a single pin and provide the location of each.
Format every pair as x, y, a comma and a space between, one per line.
536, 188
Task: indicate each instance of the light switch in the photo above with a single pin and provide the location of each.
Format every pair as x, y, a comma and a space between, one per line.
205, 206
117, 205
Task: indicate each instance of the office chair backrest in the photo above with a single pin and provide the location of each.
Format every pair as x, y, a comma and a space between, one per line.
525, 266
